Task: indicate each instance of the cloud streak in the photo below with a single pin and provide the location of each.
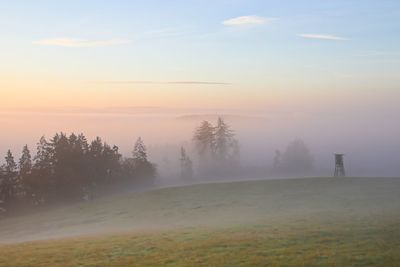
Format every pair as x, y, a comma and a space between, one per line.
247, 20
165, 82
76, 43
326, 37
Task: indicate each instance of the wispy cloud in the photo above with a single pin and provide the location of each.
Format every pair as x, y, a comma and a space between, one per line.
165, 82
326, 37
71, 42
247, 20
376, 53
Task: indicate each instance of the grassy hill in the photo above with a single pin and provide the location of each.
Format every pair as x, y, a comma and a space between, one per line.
292, 222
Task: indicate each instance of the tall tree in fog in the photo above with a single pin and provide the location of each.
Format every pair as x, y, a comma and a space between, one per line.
40, 183
25, 170
44, 153
218, 150
9, 186
2, 200
111, 161
25, 162
204, 140
10, 166
227, 149
95, 160
223, 141
143, 169
297, 159
140, 151
186, 165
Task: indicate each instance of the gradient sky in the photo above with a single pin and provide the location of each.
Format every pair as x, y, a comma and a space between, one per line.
219, 53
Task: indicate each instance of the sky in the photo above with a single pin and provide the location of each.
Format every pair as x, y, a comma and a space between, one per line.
325, 71
210, 54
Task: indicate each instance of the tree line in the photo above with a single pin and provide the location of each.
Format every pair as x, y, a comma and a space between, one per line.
67, 168
218, 155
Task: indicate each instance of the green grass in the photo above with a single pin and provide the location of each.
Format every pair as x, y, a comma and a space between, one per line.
300, 222
309, 244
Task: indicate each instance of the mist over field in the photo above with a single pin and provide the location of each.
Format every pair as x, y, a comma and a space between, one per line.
369, 140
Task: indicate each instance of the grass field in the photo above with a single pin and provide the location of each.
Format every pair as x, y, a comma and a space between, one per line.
297, 222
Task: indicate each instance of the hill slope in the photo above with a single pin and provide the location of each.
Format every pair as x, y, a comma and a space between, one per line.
214, 205
298, 222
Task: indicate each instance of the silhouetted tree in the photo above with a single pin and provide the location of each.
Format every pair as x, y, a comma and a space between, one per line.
25, 162
111, 162
227, 149
218, 150
11, 166
2, 191
25, 170
9, 185
139, 151
144, 170
95, 158
40, 184
138, 170
297, 159
204, 140
223, 141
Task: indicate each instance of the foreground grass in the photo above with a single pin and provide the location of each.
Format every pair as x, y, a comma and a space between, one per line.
295, 222
292, 243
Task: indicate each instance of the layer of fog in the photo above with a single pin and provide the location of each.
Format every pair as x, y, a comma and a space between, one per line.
289, 202
371, 142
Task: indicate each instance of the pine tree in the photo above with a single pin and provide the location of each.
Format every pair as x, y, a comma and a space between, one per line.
40, 184
143, 170
11, 166
25, 162
111, 159
204, 140
3, 191
83, 143
9, 184
224, 142
25, 171
96, 168
44, 156
139, 151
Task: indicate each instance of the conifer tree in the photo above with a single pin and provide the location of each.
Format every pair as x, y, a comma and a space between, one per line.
140, 151
25, 162
204, 140
9, 184
144, 170
11, 166
224, 142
